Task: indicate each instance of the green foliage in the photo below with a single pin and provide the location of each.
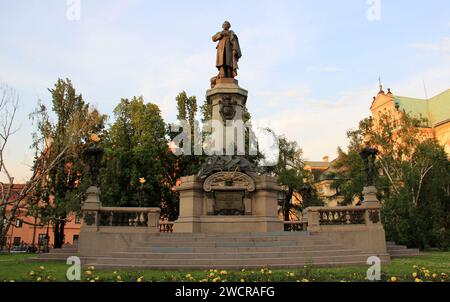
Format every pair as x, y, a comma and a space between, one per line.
413, 180
431, 266
187, 111
295, 180
136, 147
64, 186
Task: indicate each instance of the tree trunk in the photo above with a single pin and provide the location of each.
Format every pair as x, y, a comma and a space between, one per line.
58, 231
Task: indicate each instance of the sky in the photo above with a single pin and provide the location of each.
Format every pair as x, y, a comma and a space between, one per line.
311, 67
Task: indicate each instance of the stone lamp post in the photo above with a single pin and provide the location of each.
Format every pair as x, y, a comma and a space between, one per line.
368, 155
93, 156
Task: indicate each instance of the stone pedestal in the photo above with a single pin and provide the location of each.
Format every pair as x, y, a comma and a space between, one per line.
228, 101
370, 196
196, 204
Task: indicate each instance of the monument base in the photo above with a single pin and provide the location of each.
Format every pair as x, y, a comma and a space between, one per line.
197, 203
231, 224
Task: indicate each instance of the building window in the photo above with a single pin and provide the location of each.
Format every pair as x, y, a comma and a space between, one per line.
18, 223
78, 219
17, 241
75, 238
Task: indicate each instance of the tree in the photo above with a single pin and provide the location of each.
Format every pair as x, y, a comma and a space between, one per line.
139, 169
413, 178
64, 185
187, 111
13, 203
296, 181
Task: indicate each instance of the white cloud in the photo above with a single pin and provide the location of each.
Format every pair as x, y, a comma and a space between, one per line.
442, 46
322, 68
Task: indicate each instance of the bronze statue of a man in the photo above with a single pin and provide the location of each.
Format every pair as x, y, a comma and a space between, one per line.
228, 52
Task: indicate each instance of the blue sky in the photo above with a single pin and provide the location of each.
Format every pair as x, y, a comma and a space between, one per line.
311, 67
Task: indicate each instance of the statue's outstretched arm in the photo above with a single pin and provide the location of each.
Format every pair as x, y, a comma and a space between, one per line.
217, 37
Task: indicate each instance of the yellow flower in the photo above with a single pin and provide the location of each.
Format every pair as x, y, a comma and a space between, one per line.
243, 270
290, 274
92, 280
211, 275
427, 275
119, 278
305, 280
114, 273
414, 275
417, 280
94, 138
12, 281
91, 268
31, 273
242, 280
38, 279
269, 272
216, 279
188, 276
41, 268
142, 180
139, 279
88, 273
223, 272
393, 279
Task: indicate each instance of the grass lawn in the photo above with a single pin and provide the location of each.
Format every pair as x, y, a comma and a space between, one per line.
431, 266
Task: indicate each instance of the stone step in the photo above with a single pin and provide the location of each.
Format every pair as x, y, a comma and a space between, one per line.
233, 255
235, 249
233, 235
64, 251
261, 262
399, 251
405, 253
223, 244
397, 248
220, 243
105, 263
196, 240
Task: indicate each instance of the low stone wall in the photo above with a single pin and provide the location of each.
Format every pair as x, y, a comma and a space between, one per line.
358, 227
106, 230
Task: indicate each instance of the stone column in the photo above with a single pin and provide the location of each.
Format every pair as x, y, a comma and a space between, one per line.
265, 203
191, 205
227, 100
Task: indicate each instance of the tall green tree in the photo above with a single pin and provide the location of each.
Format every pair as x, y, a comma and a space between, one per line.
137, 149
74, 121
296, 181
188, 164
413, 180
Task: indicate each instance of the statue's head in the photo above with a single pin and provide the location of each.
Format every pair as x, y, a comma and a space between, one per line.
226, 25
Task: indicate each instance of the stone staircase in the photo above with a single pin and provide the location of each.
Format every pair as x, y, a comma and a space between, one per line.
233, 251
58, 254
399, 251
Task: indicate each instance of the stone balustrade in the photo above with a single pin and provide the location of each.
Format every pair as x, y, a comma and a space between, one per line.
315, 217
122, 217
166, 226
293, 226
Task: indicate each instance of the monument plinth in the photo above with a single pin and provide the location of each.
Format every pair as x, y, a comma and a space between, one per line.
228, 195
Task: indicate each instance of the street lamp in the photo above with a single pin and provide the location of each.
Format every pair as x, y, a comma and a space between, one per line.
368, 155
141, 191
94, 155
